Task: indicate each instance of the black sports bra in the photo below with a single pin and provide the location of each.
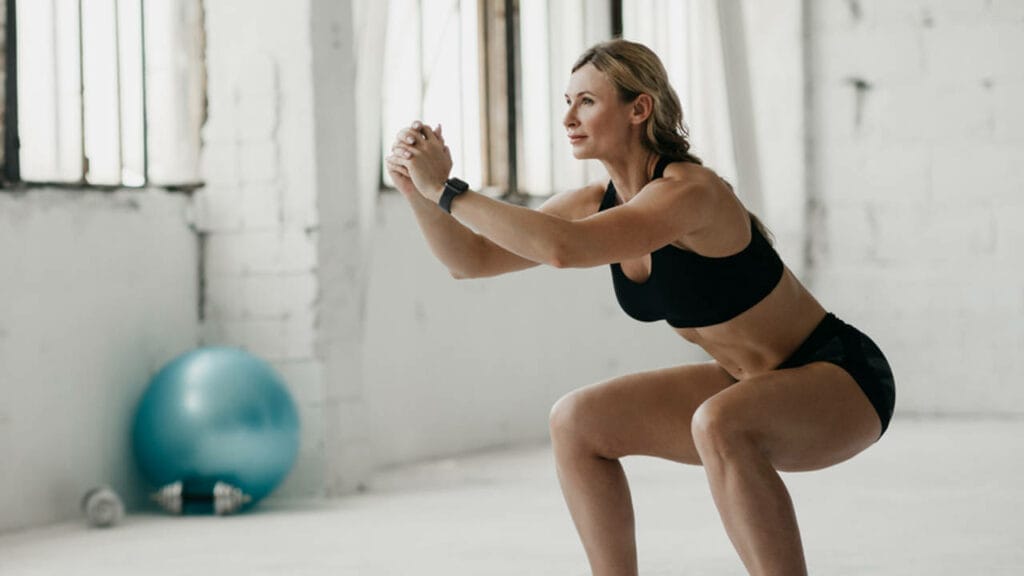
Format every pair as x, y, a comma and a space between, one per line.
689, 290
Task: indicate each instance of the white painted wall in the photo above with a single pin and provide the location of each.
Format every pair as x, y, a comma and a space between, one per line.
920, 191
98, 291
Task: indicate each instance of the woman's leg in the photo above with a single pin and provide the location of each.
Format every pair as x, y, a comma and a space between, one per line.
647, 413
805, 418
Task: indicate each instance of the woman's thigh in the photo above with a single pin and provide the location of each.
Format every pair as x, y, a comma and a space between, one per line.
803, 418
647, 413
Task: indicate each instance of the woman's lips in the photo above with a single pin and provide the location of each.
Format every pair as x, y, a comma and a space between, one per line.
576, 139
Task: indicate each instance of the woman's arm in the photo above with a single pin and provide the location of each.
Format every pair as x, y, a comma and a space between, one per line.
467, 254
666, 210
661, 214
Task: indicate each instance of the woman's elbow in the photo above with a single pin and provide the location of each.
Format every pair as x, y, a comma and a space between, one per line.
460, 274
558, 255
568, 256
559, 261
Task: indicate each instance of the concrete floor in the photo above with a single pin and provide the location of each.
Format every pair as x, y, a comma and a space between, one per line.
935, 497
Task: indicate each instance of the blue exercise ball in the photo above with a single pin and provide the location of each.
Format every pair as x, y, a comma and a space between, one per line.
216, 415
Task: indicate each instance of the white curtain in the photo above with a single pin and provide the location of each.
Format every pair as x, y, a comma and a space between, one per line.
685, 34
553, 35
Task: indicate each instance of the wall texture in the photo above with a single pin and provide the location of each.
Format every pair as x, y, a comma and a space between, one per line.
287, 206
280, 214
918, 190
98, 291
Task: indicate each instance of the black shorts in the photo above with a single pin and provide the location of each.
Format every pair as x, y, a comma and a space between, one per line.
839, 343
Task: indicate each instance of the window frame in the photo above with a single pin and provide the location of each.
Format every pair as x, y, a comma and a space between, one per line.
11, 176
499, 41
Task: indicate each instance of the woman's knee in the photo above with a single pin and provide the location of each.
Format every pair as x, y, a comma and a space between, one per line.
563, 420
572, 420
720, 431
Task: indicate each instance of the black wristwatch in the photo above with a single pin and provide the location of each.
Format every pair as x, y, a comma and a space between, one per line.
452, 188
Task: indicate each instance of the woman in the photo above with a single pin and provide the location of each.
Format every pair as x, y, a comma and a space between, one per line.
790, 388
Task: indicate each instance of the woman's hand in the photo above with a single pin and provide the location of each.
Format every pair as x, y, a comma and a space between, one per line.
426, 161
400, 176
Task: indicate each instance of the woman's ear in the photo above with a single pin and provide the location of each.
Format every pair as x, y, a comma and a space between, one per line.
642, 108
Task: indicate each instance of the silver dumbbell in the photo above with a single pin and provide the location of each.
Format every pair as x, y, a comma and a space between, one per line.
223, 500
102, 507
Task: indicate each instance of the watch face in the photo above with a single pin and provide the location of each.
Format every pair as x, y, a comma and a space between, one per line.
458, 184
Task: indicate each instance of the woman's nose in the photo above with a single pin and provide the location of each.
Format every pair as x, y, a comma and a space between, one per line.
569, 120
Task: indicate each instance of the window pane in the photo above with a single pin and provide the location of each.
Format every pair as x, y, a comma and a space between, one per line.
471, 144
431, 73
174, 90
684, 34
49, 104
101, 92
83, 88
129, 27
402, 99
539, 125
552, 36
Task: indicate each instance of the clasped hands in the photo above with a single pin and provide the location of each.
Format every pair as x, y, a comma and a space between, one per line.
419, 162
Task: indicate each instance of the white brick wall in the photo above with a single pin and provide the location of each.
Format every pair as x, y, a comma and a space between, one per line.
923, 194
269, 285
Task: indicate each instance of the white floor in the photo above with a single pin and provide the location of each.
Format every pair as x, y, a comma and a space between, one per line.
936, 498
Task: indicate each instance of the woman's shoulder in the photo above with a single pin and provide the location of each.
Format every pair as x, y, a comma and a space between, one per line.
699, 183
694, 174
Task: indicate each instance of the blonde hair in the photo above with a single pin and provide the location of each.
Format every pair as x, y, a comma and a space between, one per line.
635, 69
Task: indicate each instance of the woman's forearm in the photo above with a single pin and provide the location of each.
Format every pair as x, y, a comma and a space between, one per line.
530, 234
452, 243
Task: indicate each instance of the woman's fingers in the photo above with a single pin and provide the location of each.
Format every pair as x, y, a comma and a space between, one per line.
394, 166
418, 132
403, 150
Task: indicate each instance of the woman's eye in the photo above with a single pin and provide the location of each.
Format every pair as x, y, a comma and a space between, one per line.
588, 101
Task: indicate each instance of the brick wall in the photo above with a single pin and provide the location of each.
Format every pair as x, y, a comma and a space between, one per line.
279, 217
917, 190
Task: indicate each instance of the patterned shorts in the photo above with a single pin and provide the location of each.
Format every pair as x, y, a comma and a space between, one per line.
839, 343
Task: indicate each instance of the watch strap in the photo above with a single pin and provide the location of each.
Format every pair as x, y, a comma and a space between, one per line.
452, 188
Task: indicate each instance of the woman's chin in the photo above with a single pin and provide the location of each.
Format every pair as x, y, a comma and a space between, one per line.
580, 153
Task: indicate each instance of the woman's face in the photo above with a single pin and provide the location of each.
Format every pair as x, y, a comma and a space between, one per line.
597, 122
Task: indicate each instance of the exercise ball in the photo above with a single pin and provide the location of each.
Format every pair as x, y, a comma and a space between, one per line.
216, 415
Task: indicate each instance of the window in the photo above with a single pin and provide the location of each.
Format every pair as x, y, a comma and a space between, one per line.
685, 34
496, 71
104, 92
482, 68
552, 35
432, 65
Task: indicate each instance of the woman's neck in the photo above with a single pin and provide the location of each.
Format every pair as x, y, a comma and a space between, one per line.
631, 171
